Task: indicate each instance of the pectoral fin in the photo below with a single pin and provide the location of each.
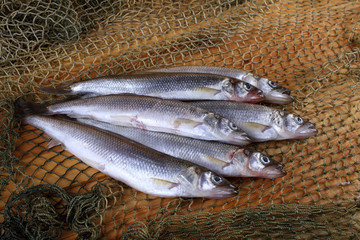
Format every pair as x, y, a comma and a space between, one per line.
94, 164
53, 142
217, 161
186, 122
214, 160
251, 126
210, 91
124, 120
164, 183
116, 119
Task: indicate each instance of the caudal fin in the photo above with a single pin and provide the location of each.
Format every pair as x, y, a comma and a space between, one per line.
63, 90
24, 108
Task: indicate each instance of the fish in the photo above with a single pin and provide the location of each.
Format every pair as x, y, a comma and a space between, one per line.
152, 114
139, 167
181, 86
273, 92
261, 123
224, 159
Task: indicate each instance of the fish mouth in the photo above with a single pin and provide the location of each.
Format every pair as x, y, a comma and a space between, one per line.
224, 192
241, 139
274, 171
279, 96
255, 96
308, 130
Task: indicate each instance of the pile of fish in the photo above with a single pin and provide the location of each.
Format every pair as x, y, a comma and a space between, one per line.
171, 132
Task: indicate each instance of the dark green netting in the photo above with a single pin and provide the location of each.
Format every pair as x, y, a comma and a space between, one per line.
42, 211
276, 221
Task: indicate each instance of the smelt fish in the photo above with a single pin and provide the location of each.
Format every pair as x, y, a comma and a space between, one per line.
152, 114
274, 93
261, 123
181, 86
224, 159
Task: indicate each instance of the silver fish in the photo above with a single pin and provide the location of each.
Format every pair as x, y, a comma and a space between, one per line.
274, 93
142, 168
224, 159
153, 114
261, 123
182, 86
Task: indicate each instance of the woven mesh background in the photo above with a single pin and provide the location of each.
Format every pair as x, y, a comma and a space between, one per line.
311, 47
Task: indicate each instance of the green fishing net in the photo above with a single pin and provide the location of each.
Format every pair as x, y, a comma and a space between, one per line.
310, 47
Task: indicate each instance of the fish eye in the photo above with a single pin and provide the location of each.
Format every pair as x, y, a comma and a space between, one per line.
216, 179
272, 84
247, 86
233, 126
299, 120
265, 159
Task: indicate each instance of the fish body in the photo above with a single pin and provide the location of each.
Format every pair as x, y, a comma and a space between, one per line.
261, 123
224, 159
152, 114
142, 168
181, 86
273, 92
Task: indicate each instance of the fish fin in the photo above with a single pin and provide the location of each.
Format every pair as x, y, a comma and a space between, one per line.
213, 159
62, 89
248, 126
53, 142
165, 183
94, 164
89, 95
121, 120
186, 122
218, 161
24, 108
211, 91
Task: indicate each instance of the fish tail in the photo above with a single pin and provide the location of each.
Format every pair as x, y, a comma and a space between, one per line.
62, 89
24, 108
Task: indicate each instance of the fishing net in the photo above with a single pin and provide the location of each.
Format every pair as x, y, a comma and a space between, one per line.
310, 47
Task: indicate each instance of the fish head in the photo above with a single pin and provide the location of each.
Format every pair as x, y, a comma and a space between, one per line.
238, 164
245, 92
240, 91
198, 181
296, 128
274, 93
262, 166
290, 126
230, 132
225, 129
